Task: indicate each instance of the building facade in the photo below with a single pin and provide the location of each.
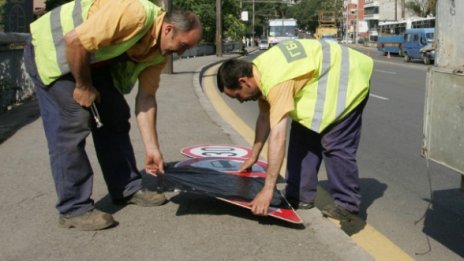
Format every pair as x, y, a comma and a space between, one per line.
376, 11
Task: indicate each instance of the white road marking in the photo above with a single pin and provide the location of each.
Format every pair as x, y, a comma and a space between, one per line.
379, 97
388, 72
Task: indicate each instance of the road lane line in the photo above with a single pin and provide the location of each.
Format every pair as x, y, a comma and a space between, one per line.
387, 72
366, 236
379, 97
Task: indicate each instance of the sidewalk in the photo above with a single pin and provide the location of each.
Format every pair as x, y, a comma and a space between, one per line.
187, 228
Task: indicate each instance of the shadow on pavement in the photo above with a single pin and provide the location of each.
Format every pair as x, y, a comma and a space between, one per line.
371, 189
13, 120
193, 204
444, 219
105, 204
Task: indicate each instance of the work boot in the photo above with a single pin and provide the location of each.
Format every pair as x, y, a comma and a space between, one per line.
144, 198
91, 220
296, 204
338, 213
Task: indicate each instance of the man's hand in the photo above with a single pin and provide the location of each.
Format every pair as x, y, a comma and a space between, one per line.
86, 95
261, 202
79, 64
154, 162
247, 165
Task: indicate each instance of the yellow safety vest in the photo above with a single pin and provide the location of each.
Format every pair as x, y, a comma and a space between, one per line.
339, 83
50, 50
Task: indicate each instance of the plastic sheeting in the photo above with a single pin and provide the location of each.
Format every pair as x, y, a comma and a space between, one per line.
215, 183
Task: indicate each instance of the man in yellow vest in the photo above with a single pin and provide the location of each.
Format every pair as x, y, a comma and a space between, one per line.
323, 87
82, 57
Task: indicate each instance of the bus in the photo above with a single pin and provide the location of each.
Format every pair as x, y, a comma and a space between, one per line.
391, 34
282, 29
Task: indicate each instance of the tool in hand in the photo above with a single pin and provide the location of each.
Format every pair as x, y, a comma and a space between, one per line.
96, 115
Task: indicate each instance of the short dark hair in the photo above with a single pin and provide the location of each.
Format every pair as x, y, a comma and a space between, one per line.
184, 21
230, 71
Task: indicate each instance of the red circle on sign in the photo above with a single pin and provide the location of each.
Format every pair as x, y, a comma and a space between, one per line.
217, 151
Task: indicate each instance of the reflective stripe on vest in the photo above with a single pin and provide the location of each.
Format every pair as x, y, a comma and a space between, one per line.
58, 34
322, 84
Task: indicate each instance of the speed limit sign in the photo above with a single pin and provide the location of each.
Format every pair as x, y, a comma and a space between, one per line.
222, 151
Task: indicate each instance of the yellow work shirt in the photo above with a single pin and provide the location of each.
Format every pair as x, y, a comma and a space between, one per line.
280, 99
110, 22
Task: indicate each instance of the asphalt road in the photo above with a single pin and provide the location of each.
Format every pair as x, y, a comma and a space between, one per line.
413, 202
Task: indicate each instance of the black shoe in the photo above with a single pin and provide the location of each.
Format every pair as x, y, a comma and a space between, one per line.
338, 213
296, 204
144, 198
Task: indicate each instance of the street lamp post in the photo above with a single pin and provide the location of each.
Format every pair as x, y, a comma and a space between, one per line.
218, 28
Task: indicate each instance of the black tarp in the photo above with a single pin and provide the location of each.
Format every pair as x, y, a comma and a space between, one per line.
215, 183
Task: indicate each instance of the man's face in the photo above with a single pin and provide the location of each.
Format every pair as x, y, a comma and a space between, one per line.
175, 41
248, 91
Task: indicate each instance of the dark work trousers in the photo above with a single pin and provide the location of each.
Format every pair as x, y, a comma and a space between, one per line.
337, 146
67, 125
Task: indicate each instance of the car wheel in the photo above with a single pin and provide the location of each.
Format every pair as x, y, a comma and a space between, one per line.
406, 58
426, 60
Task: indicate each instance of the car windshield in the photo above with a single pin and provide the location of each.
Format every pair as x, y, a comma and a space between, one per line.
429, 37
329, 38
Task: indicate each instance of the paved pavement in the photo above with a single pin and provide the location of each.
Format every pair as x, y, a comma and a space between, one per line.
187, 228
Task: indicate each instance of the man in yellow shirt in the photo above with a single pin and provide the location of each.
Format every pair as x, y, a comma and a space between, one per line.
323, 88
82, 57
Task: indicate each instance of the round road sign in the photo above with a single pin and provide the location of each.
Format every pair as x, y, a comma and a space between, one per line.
219, 151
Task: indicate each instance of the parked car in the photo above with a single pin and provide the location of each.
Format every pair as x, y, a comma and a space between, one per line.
418, 45
263, 44
428, 54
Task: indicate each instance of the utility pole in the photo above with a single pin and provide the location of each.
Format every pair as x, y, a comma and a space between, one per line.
253, 24
218, 28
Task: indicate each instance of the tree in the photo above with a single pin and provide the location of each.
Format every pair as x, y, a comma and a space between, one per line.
206, 10
422, 8
305, 12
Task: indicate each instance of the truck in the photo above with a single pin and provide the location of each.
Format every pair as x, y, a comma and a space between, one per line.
282, 29
443, 127
327, 28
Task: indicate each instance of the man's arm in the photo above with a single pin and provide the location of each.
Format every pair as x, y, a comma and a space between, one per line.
261, 133
146, 112
276, 153
79, 63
